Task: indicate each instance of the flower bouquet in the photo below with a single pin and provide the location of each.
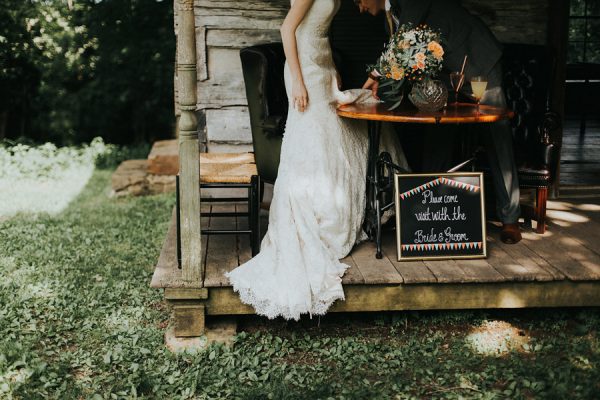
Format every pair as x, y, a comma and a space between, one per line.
412, 57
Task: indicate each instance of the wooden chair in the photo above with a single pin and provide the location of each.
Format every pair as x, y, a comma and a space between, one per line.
228, 171
262, 66
528, 76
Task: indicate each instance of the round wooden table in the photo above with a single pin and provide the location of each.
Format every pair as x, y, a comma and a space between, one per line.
375, 114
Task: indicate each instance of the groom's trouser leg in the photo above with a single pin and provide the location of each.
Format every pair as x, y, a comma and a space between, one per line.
500, 154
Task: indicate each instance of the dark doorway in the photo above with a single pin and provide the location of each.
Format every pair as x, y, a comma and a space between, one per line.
580, 161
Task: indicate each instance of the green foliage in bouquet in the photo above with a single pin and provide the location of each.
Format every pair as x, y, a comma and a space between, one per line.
394, 92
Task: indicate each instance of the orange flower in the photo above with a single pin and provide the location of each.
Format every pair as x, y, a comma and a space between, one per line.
436, 49
403, 44
397, 73
420, 58
421, 65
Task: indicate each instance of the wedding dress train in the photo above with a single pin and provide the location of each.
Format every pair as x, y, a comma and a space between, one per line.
319, 198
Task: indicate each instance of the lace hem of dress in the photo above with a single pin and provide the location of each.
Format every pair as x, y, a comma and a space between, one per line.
266, 307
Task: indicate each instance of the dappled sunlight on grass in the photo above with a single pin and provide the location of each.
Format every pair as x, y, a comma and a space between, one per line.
13, 273
496, 338
50, 196
39, 290
581, 362
46, 178
124, 319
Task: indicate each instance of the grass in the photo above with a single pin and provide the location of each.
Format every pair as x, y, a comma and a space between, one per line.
78, 320
46, 178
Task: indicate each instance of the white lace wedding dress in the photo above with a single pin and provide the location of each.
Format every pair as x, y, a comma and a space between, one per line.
319, 197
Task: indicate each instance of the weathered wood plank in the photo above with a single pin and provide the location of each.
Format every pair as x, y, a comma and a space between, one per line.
204, 223
167, 273
524, 21
229, 124
243, 241
186, 294
414, 272
281, 5
225, 86
526, 256
222, 254
373, 270
240, 38
565, 254
223, 301
514, 264
581, 236
510, 268
201, 54
352, 275
480, 270
446, 271
411, 271
578, 225
189, 164
188, 319
266, 21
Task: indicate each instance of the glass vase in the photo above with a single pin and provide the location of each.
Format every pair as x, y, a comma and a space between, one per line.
429, 95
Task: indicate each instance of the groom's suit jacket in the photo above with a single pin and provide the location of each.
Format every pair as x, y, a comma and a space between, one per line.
462, 33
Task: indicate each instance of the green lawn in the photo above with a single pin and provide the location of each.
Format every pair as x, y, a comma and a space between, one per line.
78, 320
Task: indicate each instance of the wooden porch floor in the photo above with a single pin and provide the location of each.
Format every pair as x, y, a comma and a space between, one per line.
560, 268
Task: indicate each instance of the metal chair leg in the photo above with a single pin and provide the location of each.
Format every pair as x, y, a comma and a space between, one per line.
254, 210
260, 184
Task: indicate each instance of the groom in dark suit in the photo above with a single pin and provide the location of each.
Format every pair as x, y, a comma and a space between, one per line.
464, 34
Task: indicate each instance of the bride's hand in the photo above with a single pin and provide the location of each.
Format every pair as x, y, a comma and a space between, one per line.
299, 96
372, 85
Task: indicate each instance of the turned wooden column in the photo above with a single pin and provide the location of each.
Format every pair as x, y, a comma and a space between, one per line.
189, 163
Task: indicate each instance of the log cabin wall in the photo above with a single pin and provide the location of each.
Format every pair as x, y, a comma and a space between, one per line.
224, 27
523, 21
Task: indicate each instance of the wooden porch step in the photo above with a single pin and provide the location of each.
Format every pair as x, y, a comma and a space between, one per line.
569, 251
558, 269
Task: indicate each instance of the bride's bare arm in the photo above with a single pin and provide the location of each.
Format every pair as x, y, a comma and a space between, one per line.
294, 17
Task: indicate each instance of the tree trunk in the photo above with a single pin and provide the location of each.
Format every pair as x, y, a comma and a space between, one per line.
3, 123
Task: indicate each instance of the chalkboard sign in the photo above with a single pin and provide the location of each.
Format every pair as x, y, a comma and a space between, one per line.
440, 216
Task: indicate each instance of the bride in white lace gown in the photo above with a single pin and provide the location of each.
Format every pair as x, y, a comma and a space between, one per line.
319, 198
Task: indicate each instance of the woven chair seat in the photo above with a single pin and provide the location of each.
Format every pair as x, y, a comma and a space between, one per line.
227, 172
227, 158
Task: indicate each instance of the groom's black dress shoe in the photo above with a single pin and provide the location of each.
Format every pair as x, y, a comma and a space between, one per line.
511, 233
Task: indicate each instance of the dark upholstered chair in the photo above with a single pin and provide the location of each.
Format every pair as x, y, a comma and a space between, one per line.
262, 67
528, 79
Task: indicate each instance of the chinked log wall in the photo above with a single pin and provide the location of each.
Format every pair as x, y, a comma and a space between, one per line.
224, 27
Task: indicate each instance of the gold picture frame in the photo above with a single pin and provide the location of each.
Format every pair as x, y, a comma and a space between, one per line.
434, 176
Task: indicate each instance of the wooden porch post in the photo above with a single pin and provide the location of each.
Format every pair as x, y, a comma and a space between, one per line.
189, 163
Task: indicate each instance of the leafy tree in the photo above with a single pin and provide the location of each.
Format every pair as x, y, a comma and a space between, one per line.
19, 76
87, 68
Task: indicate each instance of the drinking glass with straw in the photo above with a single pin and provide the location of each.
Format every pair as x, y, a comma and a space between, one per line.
457, 79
